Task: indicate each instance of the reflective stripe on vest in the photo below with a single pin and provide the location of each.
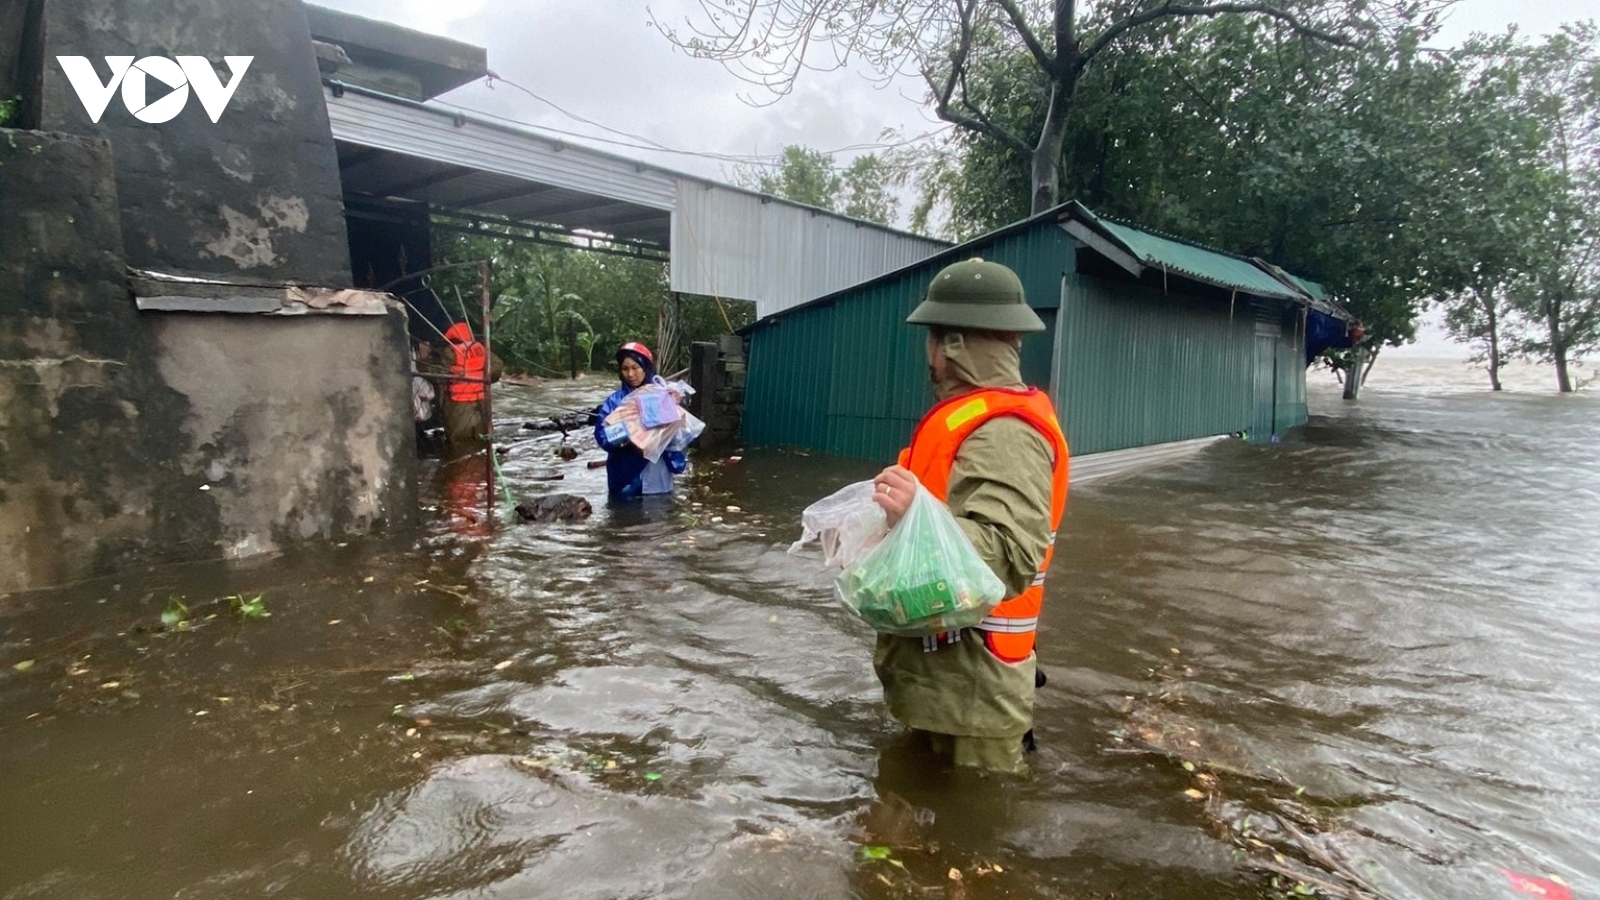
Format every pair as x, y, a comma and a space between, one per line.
467, 362
1009, 629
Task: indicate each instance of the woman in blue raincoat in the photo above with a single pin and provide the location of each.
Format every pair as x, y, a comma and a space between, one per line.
628, 474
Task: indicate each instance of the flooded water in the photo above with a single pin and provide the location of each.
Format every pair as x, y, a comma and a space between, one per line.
1369, 652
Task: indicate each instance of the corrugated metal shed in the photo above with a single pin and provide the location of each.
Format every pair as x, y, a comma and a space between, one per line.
1134, 356
729, 242
723, 240
864, 381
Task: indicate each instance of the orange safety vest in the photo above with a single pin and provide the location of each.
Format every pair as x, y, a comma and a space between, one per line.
1009, 629
470, 361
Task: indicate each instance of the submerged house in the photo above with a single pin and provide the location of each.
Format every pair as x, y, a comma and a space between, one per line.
1151, 342
207, 301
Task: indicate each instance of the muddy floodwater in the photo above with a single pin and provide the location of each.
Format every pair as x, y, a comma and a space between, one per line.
1368, 655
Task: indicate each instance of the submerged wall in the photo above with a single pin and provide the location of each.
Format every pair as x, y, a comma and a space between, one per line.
214, 422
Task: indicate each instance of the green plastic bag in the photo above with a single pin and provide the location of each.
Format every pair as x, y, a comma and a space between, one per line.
923, 578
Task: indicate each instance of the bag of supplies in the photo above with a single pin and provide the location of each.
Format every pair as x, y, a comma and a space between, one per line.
652, 419
920, 578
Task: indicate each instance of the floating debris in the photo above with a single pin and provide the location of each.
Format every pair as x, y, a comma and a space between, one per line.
1552, 888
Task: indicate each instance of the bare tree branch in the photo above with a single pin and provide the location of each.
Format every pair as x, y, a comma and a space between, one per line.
1020, 23
976, 120
1169, 11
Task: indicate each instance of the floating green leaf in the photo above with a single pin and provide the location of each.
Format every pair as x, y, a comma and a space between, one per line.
176, 615
652, 776
874, 852
254, 608
23, 666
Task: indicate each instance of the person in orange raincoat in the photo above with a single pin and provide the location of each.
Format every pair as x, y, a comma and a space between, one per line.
463, 406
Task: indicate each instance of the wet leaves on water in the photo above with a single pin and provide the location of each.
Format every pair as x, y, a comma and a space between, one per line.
23, 666
176, 614
881, 854
254, 608
652, 776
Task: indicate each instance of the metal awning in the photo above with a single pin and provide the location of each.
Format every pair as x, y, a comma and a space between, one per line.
392, 148
721, 240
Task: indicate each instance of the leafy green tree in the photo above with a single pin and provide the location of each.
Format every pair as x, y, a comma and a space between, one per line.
804, 175
865, 190
1062, 42
538, 291
1379, 171
1486, 320
1559, 84
862, 189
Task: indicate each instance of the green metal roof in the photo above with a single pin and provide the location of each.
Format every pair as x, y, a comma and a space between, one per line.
1317, 291
1148, 248
1191, 260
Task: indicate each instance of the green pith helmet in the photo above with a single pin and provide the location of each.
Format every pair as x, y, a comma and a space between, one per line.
978, 295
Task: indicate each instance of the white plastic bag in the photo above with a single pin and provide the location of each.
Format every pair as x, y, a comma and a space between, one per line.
922, 577
847, 524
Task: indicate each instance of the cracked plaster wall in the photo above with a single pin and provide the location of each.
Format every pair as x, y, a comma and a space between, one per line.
255, 195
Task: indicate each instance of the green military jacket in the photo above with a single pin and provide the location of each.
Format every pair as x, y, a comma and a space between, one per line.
999, 492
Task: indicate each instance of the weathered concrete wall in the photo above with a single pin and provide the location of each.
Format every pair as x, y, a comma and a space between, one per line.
130, 438
87, 430
253, 196
289, 451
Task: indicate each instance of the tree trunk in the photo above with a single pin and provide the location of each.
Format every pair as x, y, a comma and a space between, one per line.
1563, 379
572, 348
1558, 344
1354, 378
1047, 153
1494, 346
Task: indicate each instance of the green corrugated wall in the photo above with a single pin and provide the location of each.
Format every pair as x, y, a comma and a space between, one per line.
1141, 368
848, 377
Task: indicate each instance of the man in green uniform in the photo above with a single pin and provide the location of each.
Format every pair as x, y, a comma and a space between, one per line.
1005, 486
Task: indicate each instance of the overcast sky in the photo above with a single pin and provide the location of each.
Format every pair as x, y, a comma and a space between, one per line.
600, 60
